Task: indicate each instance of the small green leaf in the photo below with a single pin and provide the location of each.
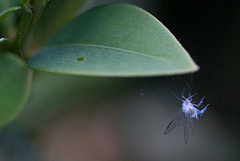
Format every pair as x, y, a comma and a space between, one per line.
14, 86
7, 11
8, 17
114, 40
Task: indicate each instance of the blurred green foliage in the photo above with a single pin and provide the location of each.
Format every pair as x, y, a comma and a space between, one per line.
14, 86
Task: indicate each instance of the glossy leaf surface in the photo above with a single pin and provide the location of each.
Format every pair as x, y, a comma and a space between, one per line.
114, 40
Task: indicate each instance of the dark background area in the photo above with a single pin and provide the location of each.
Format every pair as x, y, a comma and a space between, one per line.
210, 31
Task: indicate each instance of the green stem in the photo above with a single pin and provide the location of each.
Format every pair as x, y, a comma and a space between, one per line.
30, 19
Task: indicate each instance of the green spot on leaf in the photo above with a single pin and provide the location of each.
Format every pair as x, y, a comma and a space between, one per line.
80, 59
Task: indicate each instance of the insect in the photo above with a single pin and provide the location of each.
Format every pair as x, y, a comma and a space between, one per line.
189, 111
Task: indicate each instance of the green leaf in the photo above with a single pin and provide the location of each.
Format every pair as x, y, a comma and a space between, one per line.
7, 11
14, 86
8, 18
114, 40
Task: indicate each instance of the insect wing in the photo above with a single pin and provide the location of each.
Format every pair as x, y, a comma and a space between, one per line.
188, 125
186, 132
174, 123
190, 122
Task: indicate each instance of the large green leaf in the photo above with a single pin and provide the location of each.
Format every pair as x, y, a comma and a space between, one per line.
14, 86
114, 40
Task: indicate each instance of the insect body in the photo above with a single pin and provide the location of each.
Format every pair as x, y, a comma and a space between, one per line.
188, 111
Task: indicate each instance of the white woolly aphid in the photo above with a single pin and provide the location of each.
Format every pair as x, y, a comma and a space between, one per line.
189, 111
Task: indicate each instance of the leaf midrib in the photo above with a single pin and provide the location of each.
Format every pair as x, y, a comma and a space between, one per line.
162, 57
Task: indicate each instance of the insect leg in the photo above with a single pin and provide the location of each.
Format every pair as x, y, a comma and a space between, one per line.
203, 110
199, 104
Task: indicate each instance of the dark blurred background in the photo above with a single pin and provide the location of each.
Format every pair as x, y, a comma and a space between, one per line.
72, 118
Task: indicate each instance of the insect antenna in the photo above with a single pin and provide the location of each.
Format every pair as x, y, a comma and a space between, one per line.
190, 97
177, 97
183, 91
